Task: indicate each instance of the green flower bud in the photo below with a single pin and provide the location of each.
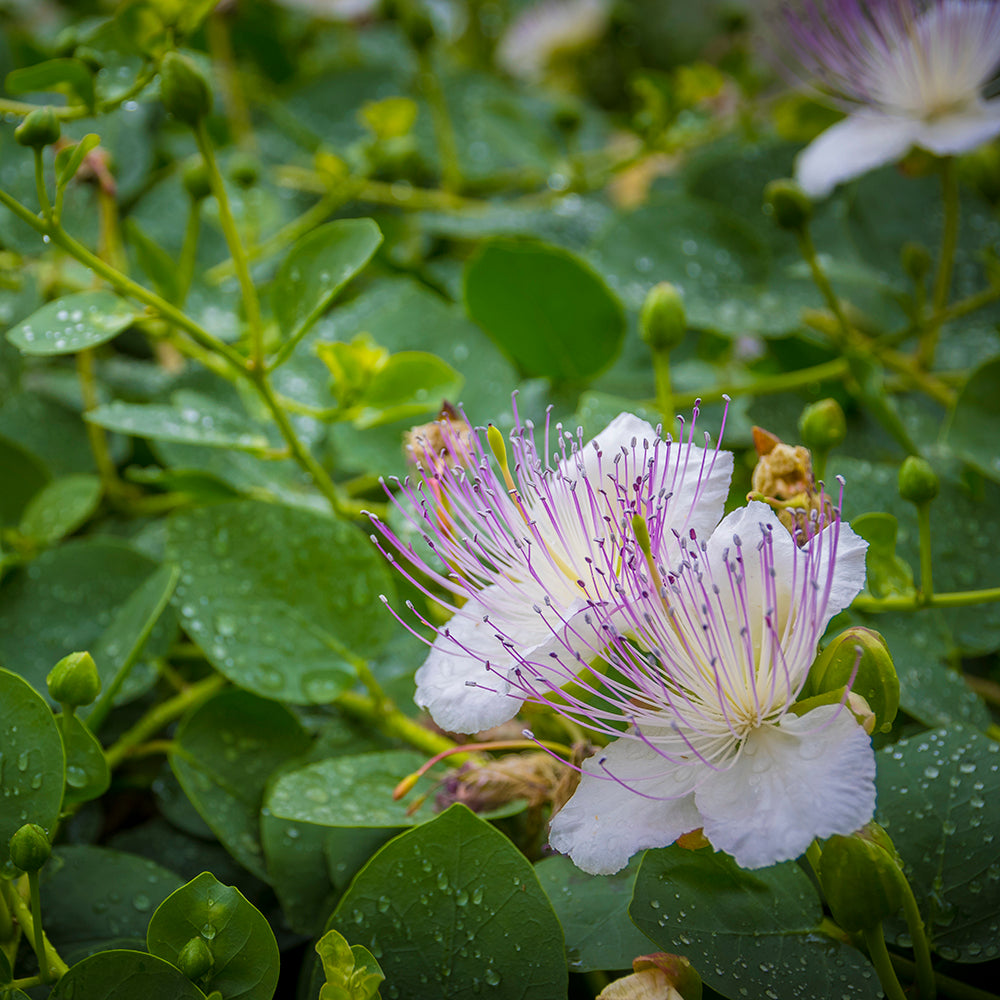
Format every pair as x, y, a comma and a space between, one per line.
244, 169
788, 204
662, 320
39, 129
74, 680
196, 179
822, 425
918, 482
876, 680
183, 89
419, 29
195, 959
860, 879
916, 260
30, 848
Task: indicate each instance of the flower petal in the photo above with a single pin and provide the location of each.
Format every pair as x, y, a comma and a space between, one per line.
962, 131
812, 776
605, 822
443, 686
852, 147
849, 568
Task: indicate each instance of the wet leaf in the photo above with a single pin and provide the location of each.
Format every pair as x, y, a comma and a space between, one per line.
125, 975
59, 508
72, 323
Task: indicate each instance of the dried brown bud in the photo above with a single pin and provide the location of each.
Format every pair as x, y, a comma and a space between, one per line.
533, 777
659, 976
445, 440
783, 478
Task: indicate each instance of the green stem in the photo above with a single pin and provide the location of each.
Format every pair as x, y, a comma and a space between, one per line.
946, 260
879, 955
96, 435
7, 929
924, 530
444, 129
57, 968
36, 914
301, 453
251, 304
952, 989
162, 715
43, 193
664, 393
189, 252
822, 282
393, 723
926, 986
958, 599
104, 705
813, 854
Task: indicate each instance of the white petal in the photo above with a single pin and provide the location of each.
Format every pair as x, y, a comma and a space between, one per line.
620, 433
852, 147
442, 687
812, 776
848, 566
605, 823
962, 131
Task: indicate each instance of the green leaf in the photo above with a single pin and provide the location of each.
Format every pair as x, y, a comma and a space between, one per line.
54, 434
226, 751
280, 600
457, 874
192, 419
975, 421
87, 774
929, 690
23, 475
887, 573
237, 934
939, 799
747, 933
80, 585
60, 508
72, 323
94, 898
545, 308
318, 267
351, 972
125, 975
409, 384
34, 765
593, 911
70, 75
155, 262
70, 158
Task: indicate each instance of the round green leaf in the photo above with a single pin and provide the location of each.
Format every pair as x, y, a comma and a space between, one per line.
34, 764
240, 939
748, 933
23, 475
225, 753
87, 774
318, 266
65, 602
60, 508
593, 911
411, 383
545, 308
281, 600
975, 421
94, 898
125, 975
72, 323
939, 799
451, 906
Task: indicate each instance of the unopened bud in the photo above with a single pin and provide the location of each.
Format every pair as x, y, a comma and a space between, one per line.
662, 320
822, 425
916, 260
918, 482
196, 180
39, 129
861, 879
419, 29
183, 89
74, 680
862, 654
195, 959
244, 169
789, 205
30, 848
